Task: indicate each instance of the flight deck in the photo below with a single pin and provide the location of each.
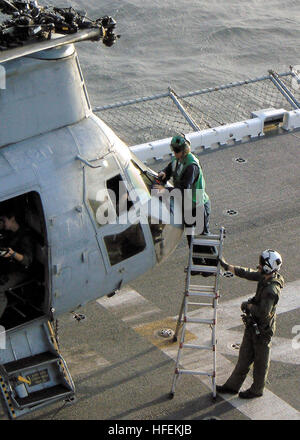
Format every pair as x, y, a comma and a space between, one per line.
121, 361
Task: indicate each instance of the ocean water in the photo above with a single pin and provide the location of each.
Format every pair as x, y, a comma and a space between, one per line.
187, 44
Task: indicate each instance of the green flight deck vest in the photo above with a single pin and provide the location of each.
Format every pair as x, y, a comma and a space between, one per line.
199, 195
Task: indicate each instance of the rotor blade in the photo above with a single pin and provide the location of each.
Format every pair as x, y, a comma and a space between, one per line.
22, 51
7, 3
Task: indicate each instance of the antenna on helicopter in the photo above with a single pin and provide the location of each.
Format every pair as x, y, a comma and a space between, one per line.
33, 28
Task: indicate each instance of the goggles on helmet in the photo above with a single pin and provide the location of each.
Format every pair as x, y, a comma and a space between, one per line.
178, 143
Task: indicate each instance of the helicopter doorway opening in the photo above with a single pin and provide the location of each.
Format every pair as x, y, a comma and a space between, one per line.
27, 286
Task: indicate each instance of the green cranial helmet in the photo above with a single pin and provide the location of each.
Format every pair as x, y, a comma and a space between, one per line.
179, 143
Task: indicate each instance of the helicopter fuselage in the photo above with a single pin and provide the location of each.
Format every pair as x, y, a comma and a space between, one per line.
62, 158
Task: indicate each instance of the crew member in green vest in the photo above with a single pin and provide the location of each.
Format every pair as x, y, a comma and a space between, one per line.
260, 321
186, 172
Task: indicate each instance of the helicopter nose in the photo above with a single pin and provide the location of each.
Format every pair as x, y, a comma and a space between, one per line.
166, 224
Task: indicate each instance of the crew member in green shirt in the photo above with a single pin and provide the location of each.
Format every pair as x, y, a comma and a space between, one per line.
186, 172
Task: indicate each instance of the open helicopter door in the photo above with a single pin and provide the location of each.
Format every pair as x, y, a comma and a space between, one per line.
33, 374
32, 371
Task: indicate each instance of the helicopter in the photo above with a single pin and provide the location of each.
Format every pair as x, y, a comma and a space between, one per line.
60, 167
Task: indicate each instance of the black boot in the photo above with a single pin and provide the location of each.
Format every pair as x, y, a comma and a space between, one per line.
248, 394
225, 390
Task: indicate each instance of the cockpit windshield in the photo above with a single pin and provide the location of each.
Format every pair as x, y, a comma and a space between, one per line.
162, 211
140, 182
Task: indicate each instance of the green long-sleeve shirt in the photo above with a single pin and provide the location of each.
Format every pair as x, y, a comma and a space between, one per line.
266, 298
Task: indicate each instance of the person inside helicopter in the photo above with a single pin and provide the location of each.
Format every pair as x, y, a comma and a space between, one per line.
16, 257
2, 233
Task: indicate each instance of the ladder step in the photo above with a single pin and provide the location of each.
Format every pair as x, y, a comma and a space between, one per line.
198, 268
194, 372
205, 255
38, 397
199, 321
207, 237
30, 362
205, 242
200, 304
199, 347
202, 294
199, 288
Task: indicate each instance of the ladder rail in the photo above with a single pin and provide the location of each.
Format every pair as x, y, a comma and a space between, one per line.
214, 329
187, 284
209, 292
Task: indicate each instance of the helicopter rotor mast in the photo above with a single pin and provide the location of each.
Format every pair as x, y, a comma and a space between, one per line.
29, 49
33, 28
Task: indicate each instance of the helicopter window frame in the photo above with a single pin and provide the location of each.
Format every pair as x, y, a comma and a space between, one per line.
148, 176
107, 195
125, 244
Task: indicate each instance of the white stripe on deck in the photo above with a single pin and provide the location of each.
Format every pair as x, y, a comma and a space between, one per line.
289, 298
270, 406
129, 306
229, 317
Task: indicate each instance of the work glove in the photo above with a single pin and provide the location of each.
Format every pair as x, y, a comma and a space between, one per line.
244, 306
162, 175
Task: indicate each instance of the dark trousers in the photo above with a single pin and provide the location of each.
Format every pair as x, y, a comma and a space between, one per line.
203, 249
254, 350
206, 215
207, 211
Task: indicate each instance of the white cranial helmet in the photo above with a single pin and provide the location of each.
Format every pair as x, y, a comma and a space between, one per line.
270, 261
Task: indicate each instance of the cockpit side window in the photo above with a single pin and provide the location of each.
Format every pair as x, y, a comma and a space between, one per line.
125, 244
107, 194
110, 201
118, 191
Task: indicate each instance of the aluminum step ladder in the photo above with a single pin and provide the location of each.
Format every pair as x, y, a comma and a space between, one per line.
204, 254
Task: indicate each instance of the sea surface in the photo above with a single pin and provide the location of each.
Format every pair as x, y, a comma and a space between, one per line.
187, 44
